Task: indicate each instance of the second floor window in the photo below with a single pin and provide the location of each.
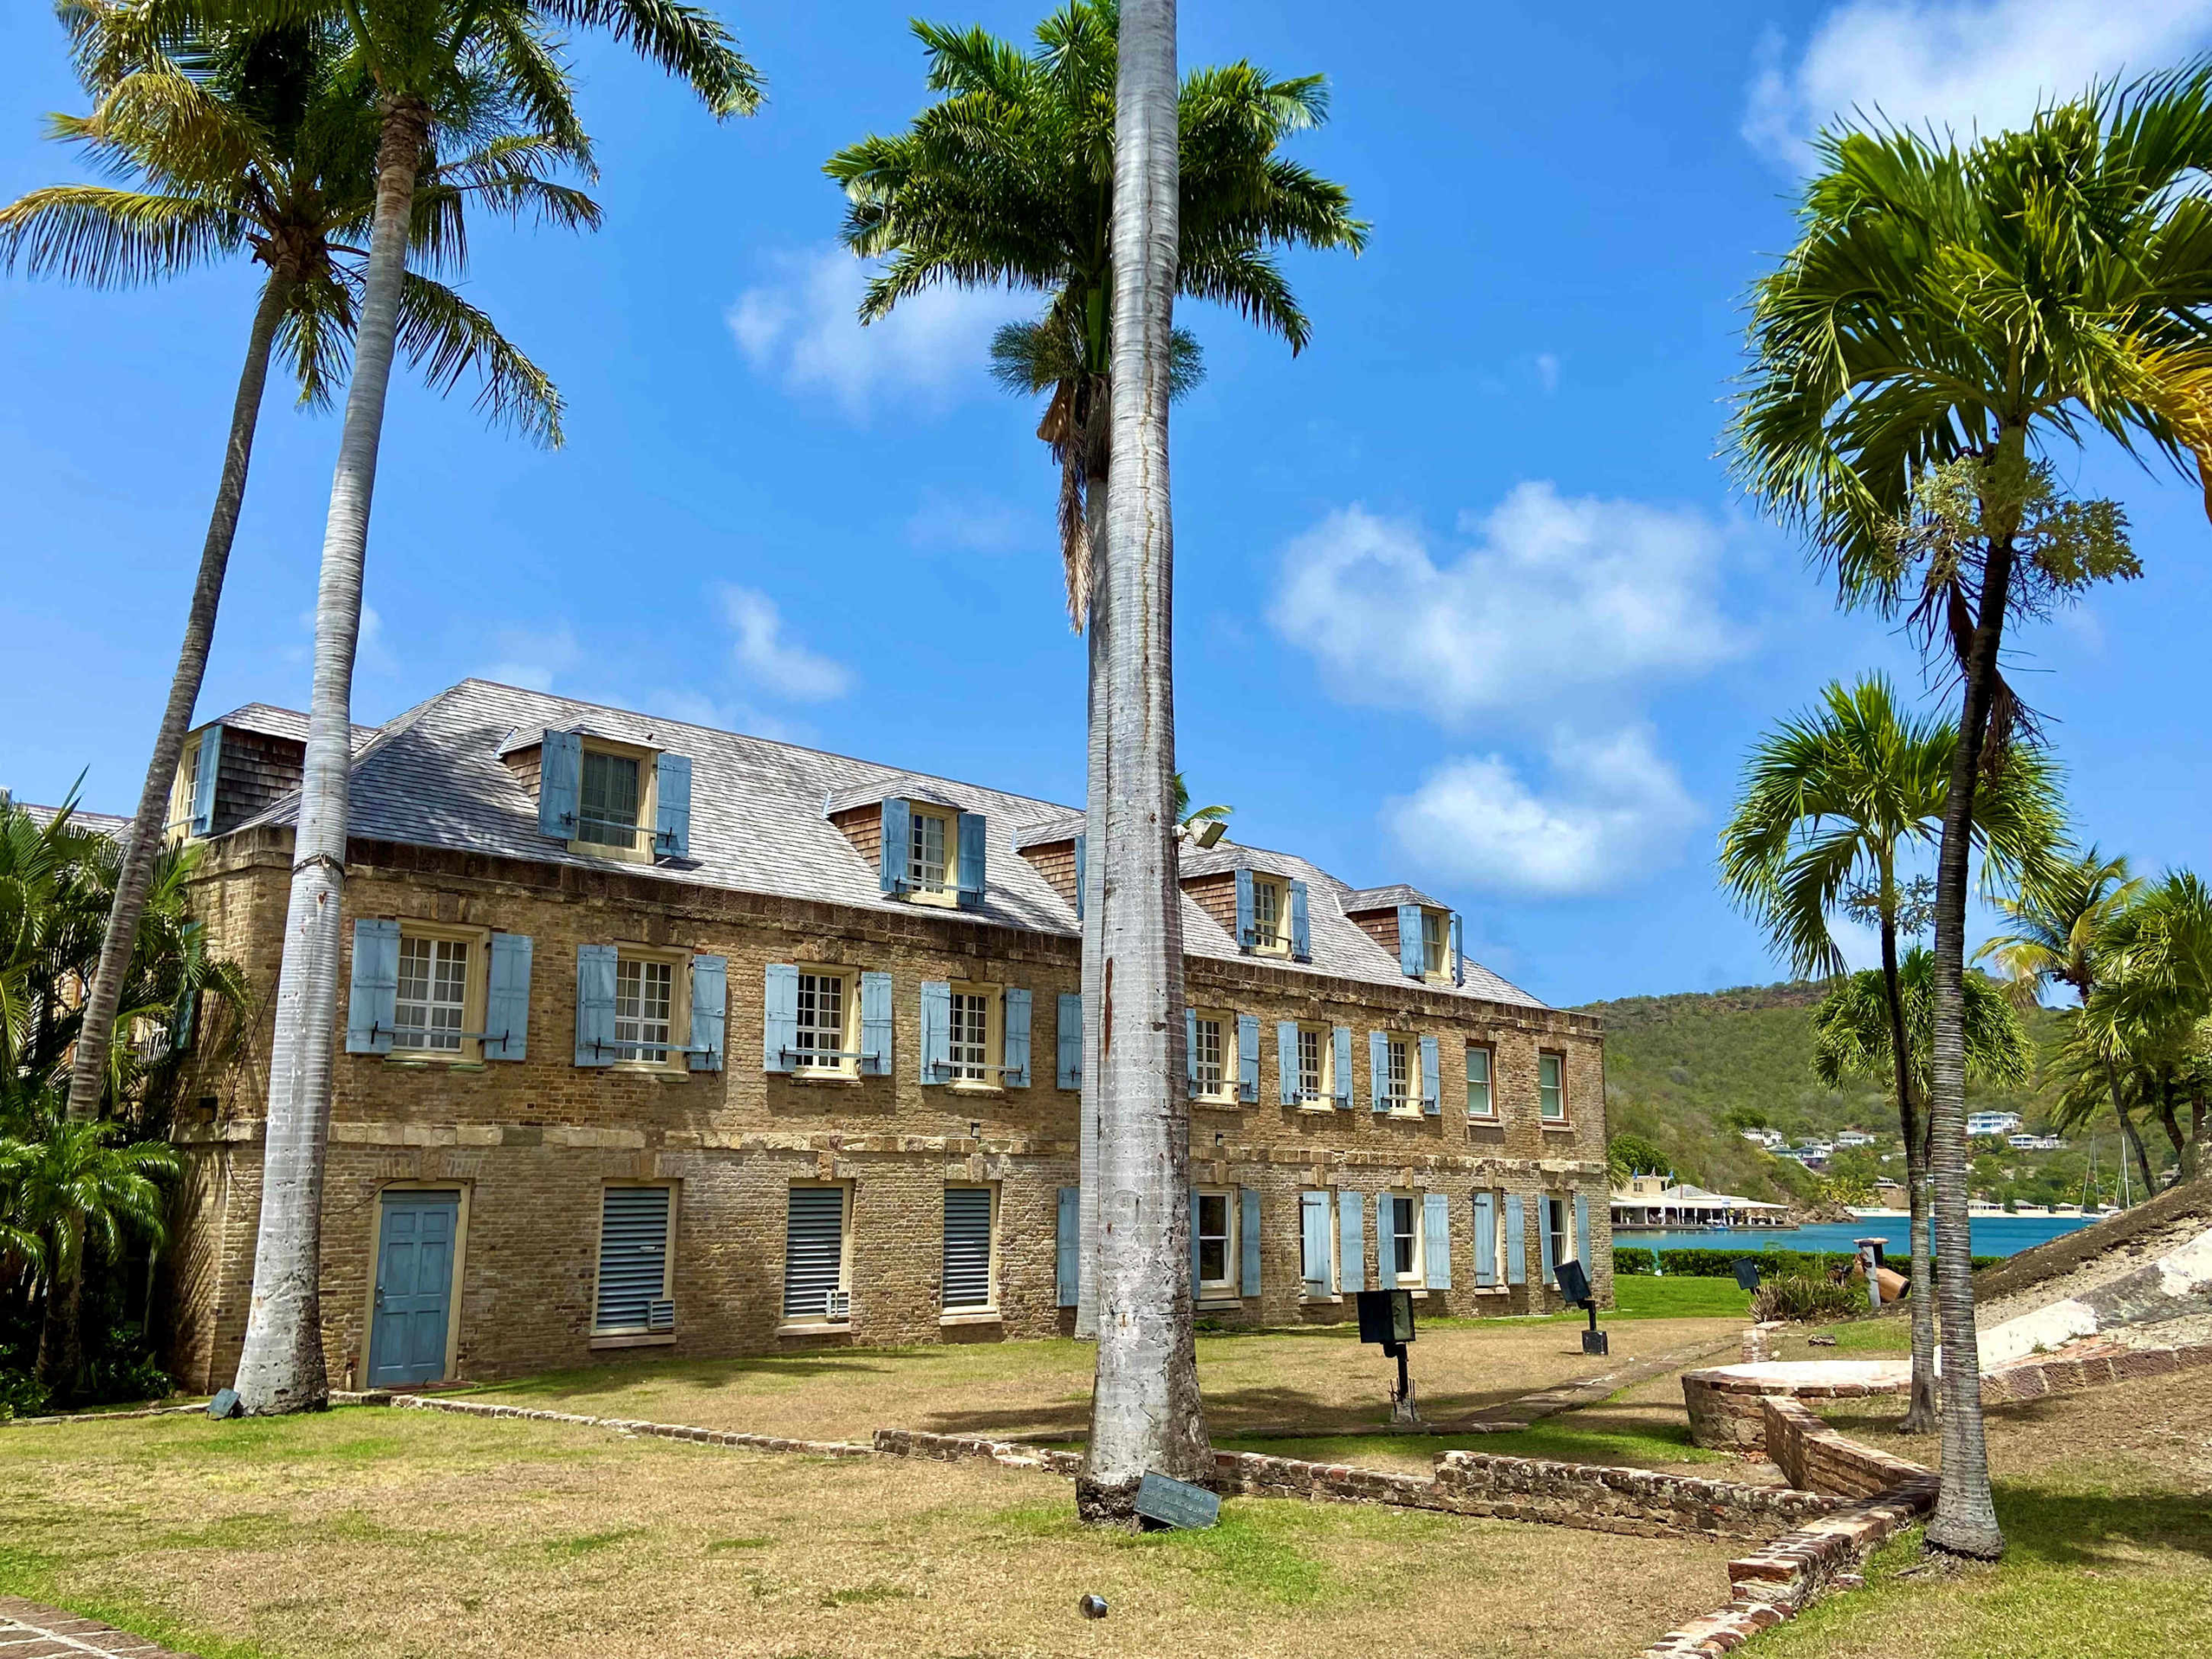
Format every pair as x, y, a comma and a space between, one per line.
1435, 934
926, 860
1401, 1085
1207, 1054
1480, 1101
1266, 915
1310, 1047
644, 999
820, 1032
971, 1033
607, 814
433, 995
1551, 1088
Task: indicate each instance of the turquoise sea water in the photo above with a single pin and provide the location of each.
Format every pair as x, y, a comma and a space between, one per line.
1993, 1234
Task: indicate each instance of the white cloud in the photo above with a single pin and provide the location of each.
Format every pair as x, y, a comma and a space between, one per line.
534, 657
1959, 64
802, 327
1557, 599
1548, 370
1612, 811
783, 667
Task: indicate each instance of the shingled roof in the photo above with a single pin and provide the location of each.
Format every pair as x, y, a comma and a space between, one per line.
433, 777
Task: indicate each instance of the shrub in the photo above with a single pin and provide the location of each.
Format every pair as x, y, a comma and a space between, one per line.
1802, 1297
1721, 1264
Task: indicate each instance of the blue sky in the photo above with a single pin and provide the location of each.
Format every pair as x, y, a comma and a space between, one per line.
1464, 596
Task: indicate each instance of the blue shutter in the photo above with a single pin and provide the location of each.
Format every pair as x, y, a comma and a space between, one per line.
203, 781
779, 1018
1544, 1240
1436, 1240
672, 805
1340, 1067
1352, 1244
1517, 1241
1459, 949
1079, 872
560, 775
937, 1031
1316, 1279
1243, 909
1409, 940
1386, 1262
1068, 1036
1287, 1061
1301, 937
594, 1005
1378, 1071
374, 1003
1247, 1057
709, 1011
1485, 1238
1015, 1003
970, 834
1247, 1241
875, 1025
1582, 1234
1066, 1239
506, 1006
1190, 1052
1431, 1091
898, 845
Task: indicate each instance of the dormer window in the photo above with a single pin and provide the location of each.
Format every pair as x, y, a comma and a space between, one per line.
1435, 942
607, 811
926, 852
1424, 936
611, 799
1271, 917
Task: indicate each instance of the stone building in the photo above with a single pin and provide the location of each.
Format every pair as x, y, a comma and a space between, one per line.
666, 1038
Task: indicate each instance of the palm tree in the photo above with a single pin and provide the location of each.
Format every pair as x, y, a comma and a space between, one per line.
1945, 314
2061, 920
1009, 180
1146, 1413
1832, 804
1189, 818
2153, 1010
440, 69
257, 142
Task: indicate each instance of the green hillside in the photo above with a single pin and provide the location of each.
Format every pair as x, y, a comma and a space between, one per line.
1684, 1071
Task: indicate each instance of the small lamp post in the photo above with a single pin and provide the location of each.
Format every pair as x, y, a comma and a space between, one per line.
1573, 1282
1386, 1318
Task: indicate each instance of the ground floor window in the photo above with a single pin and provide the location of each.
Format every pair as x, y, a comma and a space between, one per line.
1214, 1219
1317, 1241
634, 1289
1401, 1236
815, 1266
1559, 1226
969, 1212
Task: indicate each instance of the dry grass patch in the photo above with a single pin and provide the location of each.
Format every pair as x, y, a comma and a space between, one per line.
370, 1534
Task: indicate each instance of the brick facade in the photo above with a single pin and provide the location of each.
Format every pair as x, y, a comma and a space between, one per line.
532, 1144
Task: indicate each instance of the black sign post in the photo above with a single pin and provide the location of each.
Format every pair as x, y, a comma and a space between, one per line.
1573, 1282
1386, 1318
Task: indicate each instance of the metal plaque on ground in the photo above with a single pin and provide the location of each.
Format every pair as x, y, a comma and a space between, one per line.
1177, 1502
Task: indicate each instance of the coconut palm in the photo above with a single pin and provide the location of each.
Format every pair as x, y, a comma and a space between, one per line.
1946, 313
440, 69
1189, 818
261, 143
1834, 804
2153, 1010
1855, 1027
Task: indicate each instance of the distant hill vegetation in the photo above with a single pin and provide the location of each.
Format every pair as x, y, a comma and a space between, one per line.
1684, 1071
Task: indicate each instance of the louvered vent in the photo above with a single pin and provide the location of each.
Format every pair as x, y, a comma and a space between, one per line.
814, 1253
967, 1247
633, 1259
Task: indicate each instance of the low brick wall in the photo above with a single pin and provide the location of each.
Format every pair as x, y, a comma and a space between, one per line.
2033, 1379
1816, 1459
1725, 1402
958, 1448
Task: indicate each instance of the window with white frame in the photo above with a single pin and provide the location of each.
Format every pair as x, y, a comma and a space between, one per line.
1558, 1222
1402, 1084
1216, 1250
1268, 917
928, 837
818, 1042
432, 1010
816, 1288
1403, 1238
1481, 1097
969, 1048
1211, 1064
1314, 1062
969, 1214
610, 798
1435, 939
645, 1009
182, 791
1551, 1088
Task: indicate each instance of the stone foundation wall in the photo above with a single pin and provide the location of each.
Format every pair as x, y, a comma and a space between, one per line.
1726, 1404
2065, 1374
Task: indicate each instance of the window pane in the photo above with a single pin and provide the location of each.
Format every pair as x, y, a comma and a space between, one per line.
1479, 1095
1213, 1238
1208, 1056
926, 864
1309, 1064
1432, 942
609, 814
1400, 1071
821, 1029
970, 1035
433, 995
1264, 909
1550, 1087
644, 994
1403, 1235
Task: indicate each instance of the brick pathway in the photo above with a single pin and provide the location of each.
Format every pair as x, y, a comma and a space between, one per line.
1572, 1396
28, 1630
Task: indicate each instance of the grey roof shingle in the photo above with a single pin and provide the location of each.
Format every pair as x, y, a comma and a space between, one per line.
1389, 898
433, 777
99, 824
272, 721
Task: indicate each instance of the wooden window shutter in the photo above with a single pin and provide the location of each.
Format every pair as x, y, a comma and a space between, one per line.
814, 1250
1247, 1241
1386, 1214
1352, 1244
1301, 937
1546, 1257
632, 1256
1190, 1052
1067, 1240
937, 1031
1313, 1245
1247, 1057
672, 806
594, 1005
1378, 1071
1243, 909
898, 845
1080, 838
1485, 1238
507, 1002
1431, 1097
1340, 1044
1459, 949
875, 1025
1436, 1240
1582, 1232
560, 775
204, 780
373, 1004
1287, 1061
967, 1280
1409, 955
970, 831
1014, 1005
709, 1011
779, 1018
1067, 1032
1516, 1240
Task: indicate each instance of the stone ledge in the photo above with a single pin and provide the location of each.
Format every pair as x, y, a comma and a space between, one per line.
2034, 1378
619, 1425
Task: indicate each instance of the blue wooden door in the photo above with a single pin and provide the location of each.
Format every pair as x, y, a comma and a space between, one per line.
407, 1337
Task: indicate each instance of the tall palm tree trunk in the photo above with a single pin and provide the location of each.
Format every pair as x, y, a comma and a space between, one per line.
1920, 1414
282, 1367
1965, 1522
1097, 702
1146, 1413
141, 843
59, 1361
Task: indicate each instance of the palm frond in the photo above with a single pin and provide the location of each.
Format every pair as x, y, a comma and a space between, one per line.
445, 337
107, 237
